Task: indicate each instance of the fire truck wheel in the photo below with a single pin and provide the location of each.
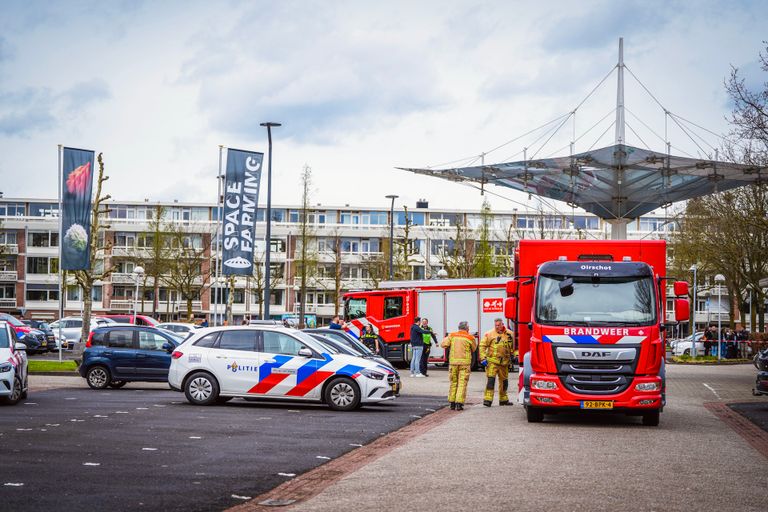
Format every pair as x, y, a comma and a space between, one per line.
534, 415
651, 419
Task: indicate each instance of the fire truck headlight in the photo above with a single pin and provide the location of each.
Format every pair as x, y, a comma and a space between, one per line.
543, 384
372, 374
648, 386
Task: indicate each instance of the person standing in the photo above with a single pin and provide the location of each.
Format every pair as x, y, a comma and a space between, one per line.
461, 345
370, 339
496, 350
417, 346
709, 338
427, 339
337, 324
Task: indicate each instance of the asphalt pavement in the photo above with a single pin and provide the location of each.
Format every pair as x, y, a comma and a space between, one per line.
145, 447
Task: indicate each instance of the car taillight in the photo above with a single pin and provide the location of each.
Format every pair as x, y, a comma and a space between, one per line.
177, 354
88, 343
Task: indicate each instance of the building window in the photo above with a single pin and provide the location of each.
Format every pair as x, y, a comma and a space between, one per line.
43, 210
416, 219
7, 238
12, 210
43, 294
43, 239
42, 265
8, 291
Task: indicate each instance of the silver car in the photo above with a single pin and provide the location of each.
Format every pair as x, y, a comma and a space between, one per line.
71, 328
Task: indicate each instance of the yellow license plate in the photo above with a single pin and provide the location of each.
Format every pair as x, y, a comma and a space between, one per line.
596, 404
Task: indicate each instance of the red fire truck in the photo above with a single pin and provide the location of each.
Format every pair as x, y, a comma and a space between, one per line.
589, 318
444, 302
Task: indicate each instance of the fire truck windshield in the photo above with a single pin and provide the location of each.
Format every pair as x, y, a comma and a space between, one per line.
624, 301
354, 308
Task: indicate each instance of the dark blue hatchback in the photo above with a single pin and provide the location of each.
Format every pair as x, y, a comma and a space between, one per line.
120, 354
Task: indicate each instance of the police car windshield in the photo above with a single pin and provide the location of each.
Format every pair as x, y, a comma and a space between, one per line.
615, 301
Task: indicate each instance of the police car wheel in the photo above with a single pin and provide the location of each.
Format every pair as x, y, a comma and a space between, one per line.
201, 389
15, 395
98, 377
342, 394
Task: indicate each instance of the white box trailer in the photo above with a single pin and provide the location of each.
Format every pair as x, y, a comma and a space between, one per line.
446, 302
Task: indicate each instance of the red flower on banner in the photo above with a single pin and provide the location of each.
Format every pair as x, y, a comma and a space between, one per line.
77, 181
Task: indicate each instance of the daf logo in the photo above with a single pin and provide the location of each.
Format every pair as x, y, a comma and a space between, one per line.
585, 353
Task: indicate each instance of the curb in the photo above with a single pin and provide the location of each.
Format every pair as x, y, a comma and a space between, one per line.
297, 490
58, 374
752, 434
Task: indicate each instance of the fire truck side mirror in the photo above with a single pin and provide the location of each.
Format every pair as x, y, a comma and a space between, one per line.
510, 308
682, 310
512, 287
681, 289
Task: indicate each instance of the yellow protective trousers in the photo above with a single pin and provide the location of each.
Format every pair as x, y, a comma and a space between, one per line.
459, 374
496, 372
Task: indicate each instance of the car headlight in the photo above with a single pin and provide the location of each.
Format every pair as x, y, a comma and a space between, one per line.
372, 374
5, 367
543, 384
648, 386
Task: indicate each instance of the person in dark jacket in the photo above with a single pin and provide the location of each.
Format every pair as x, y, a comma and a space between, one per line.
417, 346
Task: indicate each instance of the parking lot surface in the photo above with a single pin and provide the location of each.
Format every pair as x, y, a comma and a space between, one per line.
143, 447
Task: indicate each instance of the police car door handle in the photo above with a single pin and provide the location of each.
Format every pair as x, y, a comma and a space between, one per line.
221, 357
269, 360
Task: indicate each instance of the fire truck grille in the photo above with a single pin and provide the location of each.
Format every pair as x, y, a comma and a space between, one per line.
596, 384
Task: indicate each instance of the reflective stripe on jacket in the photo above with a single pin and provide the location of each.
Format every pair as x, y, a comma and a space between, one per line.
461, 345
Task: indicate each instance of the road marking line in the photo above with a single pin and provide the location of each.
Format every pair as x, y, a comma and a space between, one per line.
13, 484
290, 475
241, 497
91, 463
149, 449
322, 457
712, 390
355, 444
195, 437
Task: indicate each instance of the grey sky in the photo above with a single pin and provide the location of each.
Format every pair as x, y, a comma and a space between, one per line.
361, 87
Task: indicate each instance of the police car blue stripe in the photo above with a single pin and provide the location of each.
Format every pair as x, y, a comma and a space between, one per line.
349, 370
308, 369
265, 370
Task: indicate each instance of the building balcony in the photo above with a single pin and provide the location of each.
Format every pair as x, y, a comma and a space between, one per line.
9, 249
42, 278
51, 252
9, 276
8, 303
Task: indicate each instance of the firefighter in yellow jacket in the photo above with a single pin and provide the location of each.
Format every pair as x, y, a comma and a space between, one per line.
461, 345
496, 350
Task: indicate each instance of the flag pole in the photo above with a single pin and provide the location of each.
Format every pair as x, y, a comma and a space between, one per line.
62, 287
220, 220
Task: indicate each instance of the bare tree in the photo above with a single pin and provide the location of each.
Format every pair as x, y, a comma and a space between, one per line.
96, 272
306, 262
156, 254
258, 279
187, 273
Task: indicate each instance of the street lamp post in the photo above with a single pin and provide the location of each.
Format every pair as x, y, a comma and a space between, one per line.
719, 279
138, 271
267, 291
391, 235
694, 268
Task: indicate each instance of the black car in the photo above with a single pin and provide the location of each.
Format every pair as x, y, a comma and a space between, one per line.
45, 329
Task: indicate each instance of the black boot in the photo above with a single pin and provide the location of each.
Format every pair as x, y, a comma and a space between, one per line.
453, 406
459, 407
505, 402
487, 403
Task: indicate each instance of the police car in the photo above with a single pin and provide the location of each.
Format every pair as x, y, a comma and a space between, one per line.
217, 364
13, 366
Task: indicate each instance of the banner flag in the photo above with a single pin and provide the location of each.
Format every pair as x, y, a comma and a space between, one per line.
76, 187
241, 198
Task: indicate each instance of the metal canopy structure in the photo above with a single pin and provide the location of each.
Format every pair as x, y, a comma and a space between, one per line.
617, 183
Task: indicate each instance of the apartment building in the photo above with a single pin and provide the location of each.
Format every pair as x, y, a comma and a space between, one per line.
349, 246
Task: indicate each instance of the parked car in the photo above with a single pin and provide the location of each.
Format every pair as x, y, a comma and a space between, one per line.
46, 329
393, 377
217, 364
72, 328
119, 354
132, 319
13, 366
34, 340
684, 346
179, 328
